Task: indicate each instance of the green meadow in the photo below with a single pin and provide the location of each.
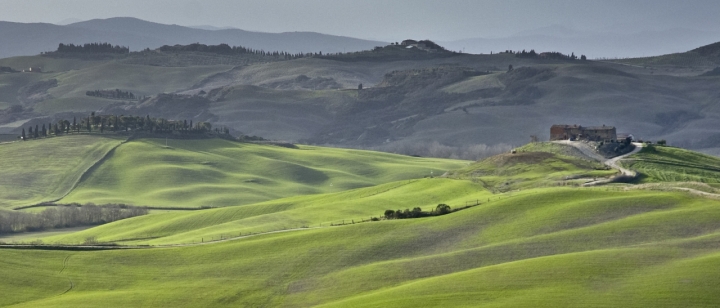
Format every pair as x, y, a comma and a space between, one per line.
296, 232
534, 165
217, 173
47, 169
546, 248
310, 211
670, 164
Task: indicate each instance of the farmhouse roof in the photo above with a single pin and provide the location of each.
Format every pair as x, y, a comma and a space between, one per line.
601, 127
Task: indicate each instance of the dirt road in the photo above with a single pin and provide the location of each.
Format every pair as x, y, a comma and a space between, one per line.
588, 151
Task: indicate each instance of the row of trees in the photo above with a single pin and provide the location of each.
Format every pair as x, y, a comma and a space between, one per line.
545, 55
66, 216
440, 209
226, 49
114, 123
111, 94
92, 48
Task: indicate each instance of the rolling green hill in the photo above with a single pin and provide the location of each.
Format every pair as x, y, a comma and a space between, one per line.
216, 173
287, 213
47, 169
547, 248
534, 165
540, 246
670, 164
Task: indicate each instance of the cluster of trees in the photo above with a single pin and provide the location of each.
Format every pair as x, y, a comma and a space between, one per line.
66, 216
545, 55
226, 49
111, 94
114, 123
417, 212
92, 48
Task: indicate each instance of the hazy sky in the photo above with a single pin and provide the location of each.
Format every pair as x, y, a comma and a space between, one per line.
386, 19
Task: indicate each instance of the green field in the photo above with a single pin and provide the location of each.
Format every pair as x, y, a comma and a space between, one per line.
544, 243
47, 169
534, 165
669, 164
216, 173
547, 248
287, 213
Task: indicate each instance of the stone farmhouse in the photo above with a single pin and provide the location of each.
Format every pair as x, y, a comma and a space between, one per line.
578, 132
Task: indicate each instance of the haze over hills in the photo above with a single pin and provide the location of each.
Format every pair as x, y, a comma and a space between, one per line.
33, 38
612, 43
139, 34
430, 102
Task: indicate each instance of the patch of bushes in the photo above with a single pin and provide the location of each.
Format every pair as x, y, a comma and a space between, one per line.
440, 209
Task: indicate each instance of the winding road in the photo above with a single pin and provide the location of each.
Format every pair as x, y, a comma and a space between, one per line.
588, 151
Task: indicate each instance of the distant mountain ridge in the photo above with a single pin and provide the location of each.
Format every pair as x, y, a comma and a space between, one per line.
33, 38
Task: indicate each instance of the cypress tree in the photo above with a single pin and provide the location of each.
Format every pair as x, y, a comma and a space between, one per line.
44, 132
37, 131
23, 134
89, 129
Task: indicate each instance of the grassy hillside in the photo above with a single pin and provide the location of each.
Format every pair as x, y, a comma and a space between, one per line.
534, 165
47, 64
279, 114
287, 213
216, 173
548, 248
542, 246
46, 169
501, 108
139, 79
11, 83
669, 164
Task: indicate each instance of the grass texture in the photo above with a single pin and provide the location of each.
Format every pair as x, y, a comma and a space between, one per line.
542, 246
46, 169
669, 164
550, 247
217, 173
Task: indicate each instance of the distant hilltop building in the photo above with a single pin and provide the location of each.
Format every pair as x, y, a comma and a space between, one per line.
578, 132
425, 45
33, 70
